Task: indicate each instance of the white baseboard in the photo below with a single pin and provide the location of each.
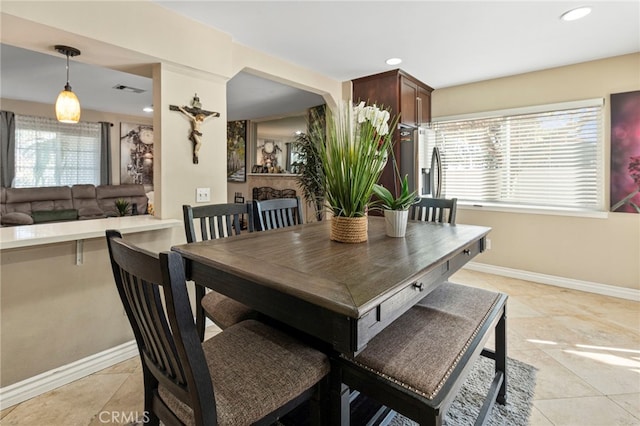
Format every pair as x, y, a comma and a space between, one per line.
590, 287
52, 379
49, 380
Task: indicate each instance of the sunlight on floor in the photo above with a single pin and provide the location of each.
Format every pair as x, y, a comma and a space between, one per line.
605, 348
542, 342
606, 358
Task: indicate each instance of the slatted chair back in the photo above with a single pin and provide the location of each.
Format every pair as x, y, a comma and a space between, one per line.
442, 210
278, 213
216, 220
170, 350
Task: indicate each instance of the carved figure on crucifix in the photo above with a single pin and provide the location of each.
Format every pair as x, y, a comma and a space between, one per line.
197, 116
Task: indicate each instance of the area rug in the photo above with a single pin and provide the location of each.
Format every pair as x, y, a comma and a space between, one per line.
521, 381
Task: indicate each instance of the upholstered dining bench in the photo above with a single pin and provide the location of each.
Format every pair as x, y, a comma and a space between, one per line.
417, 364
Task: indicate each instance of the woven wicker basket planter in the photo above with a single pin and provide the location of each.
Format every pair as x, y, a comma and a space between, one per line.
349, 229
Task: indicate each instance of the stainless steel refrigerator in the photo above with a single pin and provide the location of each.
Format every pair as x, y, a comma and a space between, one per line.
420, 159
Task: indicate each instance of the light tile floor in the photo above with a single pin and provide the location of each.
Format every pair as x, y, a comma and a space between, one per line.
586, 348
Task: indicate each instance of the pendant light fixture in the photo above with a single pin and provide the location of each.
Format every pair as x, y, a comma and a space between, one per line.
67, 104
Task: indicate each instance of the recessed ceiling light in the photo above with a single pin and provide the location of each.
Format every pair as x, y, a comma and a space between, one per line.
575, 14
148, 108
394, 61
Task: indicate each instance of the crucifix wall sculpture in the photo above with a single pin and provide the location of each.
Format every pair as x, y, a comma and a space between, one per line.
197, 116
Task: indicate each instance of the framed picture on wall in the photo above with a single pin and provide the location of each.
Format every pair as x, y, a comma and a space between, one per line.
136, 154
625, 152
270, 156
236, 151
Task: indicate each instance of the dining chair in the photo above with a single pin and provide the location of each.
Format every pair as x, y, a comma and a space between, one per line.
217, 221
442, 210
278, 213
249, 373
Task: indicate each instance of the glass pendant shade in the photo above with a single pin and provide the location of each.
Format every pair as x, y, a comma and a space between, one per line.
67, 106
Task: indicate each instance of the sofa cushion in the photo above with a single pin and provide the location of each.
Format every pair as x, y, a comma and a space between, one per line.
26, 200
107, 196
84, 200
90, 213
41, 216
3, 200
17, 195
16, 218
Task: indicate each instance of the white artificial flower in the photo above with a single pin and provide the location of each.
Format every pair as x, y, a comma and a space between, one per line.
358, 112
383, 129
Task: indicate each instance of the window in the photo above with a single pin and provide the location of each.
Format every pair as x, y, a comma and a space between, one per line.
49, 153
545, 157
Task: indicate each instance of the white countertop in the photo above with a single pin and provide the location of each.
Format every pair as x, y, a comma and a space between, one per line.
56, 232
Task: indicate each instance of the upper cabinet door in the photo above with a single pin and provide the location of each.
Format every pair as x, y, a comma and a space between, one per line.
424, 106
408, 102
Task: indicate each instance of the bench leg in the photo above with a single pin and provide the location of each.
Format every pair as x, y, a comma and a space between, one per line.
501, 355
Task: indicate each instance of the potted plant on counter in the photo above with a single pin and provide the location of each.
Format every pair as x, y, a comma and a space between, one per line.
122, 206
396, 209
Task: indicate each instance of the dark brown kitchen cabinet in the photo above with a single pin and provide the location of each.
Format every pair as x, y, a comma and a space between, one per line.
404, 95
415, 102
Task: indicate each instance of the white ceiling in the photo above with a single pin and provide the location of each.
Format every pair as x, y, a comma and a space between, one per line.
442, 43
39, 77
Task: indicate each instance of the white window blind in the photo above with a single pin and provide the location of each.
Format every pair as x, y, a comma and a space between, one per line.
49, 153
542, 159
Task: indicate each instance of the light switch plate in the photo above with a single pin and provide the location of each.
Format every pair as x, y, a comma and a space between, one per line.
203, 195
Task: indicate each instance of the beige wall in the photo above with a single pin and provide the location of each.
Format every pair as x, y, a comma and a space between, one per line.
55, 312
175, 171
604, 251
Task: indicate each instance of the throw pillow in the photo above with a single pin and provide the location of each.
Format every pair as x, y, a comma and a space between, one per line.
41, 216
16, 218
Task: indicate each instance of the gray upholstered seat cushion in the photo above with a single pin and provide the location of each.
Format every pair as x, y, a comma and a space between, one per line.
255, 369
419, 350
225, 311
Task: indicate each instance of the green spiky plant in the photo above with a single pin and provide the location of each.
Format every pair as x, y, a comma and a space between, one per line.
311, 174
122, 206
387, 201
354, 153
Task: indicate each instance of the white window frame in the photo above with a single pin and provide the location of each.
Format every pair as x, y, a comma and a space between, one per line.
598, 212
59, 151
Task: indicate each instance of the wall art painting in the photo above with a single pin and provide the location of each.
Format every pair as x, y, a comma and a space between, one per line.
136, 154
236, 150
625, 152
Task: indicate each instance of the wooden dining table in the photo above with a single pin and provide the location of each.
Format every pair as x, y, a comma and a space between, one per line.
342, 294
